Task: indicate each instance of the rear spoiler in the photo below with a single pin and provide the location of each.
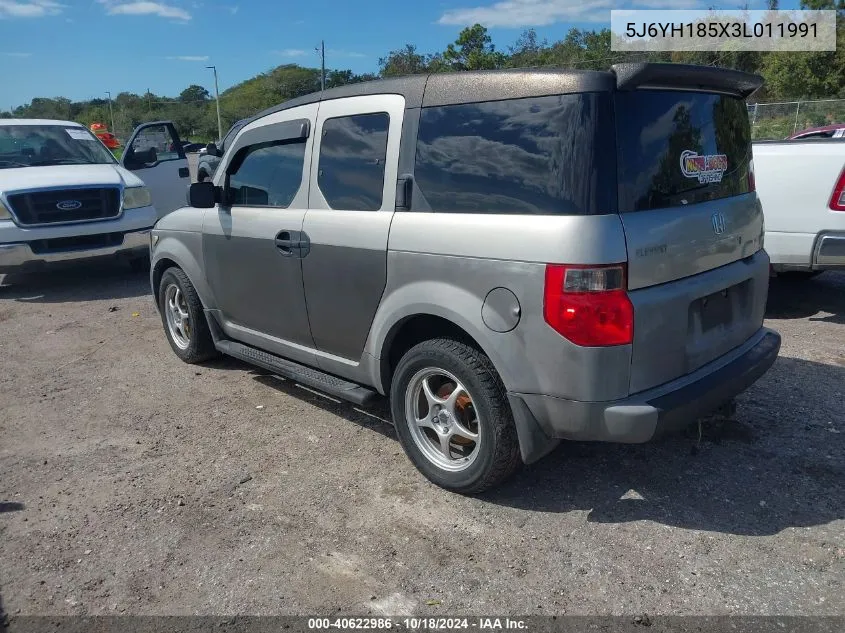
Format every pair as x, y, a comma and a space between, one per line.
685, 77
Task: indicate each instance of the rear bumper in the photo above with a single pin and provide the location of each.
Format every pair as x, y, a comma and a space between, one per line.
19, 257
641, 417
806, 251
830, 251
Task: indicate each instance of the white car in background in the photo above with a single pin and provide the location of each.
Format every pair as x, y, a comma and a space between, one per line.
63, 196
801, 185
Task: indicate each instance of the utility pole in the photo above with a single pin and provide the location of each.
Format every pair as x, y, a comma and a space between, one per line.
217, 99
322, 65
111, 114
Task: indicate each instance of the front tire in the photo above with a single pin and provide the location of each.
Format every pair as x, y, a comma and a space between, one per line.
452, 416
183, 318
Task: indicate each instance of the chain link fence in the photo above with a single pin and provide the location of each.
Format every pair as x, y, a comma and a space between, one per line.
772, 121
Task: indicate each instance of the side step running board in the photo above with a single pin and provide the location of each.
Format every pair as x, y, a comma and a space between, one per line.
306, 376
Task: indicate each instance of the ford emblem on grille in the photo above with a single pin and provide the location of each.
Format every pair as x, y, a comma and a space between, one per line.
68, 205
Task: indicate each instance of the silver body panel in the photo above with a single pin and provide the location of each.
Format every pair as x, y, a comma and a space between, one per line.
677, 242
345, 273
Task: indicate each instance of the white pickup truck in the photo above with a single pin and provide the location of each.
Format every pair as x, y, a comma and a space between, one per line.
801, 185
63, 196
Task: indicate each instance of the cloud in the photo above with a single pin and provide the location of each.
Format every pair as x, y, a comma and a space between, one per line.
523, 13
189, 58
114, 7
292, 52
234, 9
15, 54
29, 9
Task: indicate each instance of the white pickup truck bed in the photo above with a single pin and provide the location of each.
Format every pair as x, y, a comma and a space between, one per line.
795, 182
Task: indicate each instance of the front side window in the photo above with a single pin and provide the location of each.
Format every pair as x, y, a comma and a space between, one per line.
45, 145
268, 175
543, 155
353, 151
154, 143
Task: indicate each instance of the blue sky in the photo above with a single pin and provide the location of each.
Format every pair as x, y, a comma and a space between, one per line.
82, 48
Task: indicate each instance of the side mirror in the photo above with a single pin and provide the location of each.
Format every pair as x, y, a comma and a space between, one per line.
202, 195
212, 150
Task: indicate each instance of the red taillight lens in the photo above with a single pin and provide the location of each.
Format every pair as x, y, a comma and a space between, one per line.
837, 200
589, 305
752, 184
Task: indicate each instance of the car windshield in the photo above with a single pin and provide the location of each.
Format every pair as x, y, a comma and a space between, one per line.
45, 145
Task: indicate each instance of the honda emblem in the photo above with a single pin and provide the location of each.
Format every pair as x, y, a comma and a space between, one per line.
719, 224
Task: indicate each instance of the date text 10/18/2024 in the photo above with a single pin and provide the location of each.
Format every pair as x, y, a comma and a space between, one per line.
411, 624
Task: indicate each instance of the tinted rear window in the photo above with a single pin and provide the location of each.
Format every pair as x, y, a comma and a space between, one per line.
680, 148
545, 155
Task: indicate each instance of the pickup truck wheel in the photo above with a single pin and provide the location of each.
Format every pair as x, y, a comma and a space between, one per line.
183, 318
452, 416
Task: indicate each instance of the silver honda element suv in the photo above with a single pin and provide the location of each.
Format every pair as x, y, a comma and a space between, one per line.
513, 258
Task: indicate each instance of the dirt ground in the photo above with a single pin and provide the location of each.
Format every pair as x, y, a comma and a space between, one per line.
131, 483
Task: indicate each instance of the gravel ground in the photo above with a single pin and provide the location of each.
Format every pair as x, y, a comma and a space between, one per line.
132, 483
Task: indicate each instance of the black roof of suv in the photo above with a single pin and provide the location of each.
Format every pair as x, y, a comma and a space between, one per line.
438, 89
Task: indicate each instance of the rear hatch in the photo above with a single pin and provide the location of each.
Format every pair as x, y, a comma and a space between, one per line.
692, 220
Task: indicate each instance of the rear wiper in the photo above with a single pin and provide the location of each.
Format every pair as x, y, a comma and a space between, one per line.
693, 188
13, 163
667, 197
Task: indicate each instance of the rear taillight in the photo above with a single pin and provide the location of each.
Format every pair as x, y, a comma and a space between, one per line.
837, 200
752, 185
589, 305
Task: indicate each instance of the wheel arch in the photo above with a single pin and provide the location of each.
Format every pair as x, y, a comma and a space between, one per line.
416, 323
412, 329
173, 252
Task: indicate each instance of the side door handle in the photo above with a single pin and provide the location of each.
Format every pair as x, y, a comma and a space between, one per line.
293, 243
285, 243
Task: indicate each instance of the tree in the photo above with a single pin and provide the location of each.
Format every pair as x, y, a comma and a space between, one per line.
473, 50
194, 94
405, 61
527, 51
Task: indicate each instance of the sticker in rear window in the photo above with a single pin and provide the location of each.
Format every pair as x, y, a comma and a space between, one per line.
706, 168
80, 134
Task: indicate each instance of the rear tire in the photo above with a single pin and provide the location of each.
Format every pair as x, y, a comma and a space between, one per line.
183, 318
443, 394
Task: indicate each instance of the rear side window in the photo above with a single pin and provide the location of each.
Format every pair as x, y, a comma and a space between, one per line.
543, 155
353, 151
269, 175
680, 148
